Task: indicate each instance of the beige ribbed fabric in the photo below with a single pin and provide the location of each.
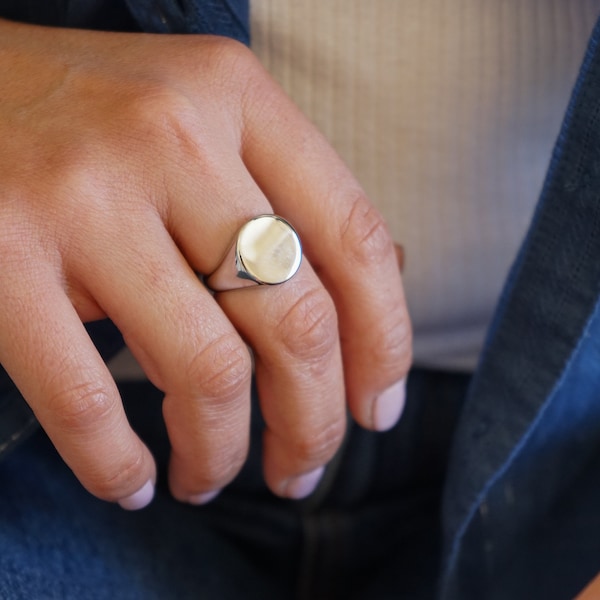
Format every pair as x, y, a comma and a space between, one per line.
446, 111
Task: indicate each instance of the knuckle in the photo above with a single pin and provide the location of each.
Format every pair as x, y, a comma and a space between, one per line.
242, 82
81, 410
233, 61
162, 112
364, 234
219, 370
309, 328
230, 50
82, 407
317, 446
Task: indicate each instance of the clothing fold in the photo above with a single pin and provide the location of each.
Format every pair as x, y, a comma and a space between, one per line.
544, 328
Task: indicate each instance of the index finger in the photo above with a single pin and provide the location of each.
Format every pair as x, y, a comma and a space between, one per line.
346, 241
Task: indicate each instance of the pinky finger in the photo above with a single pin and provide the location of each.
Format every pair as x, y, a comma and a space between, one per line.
47, 352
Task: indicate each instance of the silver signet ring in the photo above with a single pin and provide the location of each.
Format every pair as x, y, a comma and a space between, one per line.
266, 251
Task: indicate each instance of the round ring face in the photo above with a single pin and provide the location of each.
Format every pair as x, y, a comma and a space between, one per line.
268, 250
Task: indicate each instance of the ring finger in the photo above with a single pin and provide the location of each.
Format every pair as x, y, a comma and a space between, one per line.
292, 329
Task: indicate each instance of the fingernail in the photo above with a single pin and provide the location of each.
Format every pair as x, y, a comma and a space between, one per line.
140, 499
388, 406
304, 485
205, 498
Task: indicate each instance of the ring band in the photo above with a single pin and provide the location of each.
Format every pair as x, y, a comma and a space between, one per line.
266, 251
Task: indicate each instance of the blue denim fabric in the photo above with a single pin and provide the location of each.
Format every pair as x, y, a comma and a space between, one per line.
524, 475
86, 14
371, 531
216, 17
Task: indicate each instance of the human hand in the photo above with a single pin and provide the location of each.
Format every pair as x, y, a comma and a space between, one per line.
127, 163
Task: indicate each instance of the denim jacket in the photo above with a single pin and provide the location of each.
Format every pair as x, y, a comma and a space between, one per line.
523, 491
217, 17
523, 487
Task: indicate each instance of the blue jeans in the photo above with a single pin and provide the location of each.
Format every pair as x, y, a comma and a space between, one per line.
371, 530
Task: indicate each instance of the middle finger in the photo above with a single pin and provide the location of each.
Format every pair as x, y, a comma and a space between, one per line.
292, 329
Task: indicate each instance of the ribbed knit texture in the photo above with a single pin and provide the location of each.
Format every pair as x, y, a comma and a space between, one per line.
446, 111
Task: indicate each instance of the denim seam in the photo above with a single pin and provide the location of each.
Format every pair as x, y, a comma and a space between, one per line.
517, 448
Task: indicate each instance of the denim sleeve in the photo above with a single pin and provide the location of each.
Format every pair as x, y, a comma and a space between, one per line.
109, 15
216, 17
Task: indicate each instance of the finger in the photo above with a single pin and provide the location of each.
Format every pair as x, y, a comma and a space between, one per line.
293, 331
347, 243
185, 344
291, 328
46, 350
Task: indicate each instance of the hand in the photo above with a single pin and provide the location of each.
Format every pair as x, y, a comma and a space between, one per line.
127, 164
